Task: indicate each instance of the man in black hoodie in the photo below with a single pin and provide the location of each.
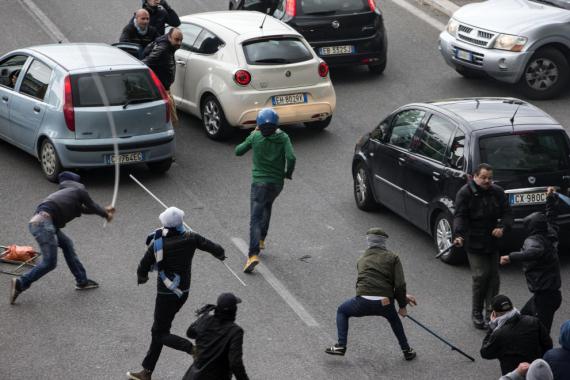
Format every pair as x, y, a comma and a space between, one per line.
58, 209
159, 56
219, 341
161, 14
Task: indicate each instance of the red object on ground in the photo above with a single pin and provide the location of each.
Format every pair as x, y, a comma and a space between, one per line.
19, 253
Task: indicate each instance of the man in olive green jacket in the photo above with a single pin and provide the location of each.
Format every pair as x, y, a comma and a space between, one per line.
380, 282
273, 160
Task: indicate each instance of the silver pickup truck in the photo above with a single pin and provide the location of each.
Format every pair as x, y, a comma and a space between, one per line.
524, 42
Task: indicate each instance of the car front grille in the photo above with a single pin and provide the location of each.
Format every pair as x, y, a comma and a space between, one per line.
475, 36
477, 57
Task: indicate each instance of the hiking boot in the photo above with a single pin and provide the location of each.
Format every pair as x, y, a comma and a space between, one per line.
337, 349
14, 290
89, 284
409, 354
145, 374
478, 320
252, 261
262, 244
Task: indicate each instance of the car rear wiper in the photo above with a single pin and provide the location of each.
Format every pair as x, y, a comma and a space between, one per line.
320, 13
134, 101
272, 60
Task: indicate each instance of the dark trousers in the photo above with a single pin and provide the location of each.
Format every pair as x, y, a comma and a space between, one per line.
486, 281
261, 201
361, 307
166, 307
543, 305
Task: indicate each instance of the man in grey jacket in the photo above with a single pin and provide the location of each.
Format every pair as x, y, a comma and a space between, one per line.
69, 202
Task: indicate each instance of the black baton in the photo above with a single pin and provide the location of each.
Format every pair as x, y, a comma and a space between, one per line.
444, 251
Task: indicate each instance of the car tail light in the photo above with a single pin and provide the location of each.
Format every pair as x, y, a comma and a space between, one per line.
372, 5
163, 94
242, 77
291, 8
68, 111
323, 69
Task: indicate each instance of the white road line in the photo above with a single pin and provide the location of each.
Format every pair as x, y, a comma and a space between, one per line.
420, 14
43, 20
278, 286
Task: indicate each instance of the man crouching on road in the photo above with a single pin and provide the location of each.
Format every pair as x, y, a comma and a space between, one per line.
380, 281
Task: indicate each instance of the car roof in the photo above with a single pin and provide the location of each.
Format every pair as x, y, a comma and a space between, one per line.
79, 56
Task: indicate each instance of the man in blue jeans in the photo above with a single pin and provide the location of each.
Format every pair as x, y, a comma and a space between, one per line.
273, 160
380, 281
58, 209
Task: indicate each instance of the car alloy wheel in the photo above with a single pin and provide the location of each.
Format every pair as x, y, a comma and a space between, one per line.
49, 161
212, 117
362, 191
443, 234
541, 74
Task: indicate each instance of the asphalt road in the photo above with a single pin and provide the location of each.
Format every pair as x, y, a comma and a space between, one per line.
316, 235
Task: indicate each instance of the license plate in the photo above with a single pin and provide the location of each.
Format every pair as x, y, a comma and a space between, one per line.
124, 158
464, 55
527, 198
336, 50
279, 100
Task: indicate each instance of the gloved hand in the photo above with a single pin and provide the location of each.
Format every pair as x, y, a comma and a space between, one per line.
164, 4
141, 279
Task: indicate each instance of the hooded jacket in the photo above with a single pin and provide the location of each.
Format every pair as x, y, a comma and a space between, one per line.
559, 358
273, 156
539, 255
161, 15
159, 56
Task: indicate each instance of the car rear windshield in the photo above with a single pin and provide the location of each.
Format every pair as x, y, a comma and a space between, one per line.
120, 88
332, 7
276, 51
525, 153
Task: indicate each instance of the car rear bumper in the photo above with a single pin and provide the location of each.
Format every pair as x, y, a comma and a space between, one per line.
369, 50
94, 153
502, 65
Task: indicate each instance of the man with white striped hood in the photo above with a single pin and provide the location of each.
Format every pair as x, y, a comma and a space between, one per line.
170, 251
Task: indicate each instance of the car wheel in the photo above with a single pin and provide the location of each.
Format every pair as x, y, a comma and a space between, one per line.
319, 125
362, 189
545, 75
214, 120
442, 235
49, 160
377, 69
159, 167
468, 73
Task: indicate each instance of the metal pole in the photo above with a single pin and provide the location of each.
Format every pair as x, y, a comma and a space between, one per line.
444, 251
185, 225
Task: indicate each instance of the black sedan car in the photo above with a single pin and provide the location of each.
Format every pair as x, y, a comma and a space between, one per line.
342, 32
416, 160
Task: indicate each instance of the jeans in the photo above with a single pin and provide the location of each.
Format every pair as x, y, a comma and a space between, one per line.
165, 309
361, 307
543, 305
486, 281
262, 197
49, 238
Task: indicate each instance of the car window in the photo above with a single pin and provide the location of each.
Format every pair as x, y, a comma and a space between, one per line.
456, 157
381, 132
10, 70
276, 51
190, 33
133, 86
525, 153
36, 80
307, 7
434, 138
207, 43
404, 127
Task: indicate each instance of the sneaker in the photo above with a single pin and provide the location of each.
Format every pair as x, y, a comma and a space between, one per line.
409, 354
145, 374
262, 244
337, 349
250, 264
89, 284
14, 291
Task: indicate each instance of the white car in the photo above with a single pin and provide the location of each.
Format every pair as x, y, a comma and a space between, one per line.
232, 64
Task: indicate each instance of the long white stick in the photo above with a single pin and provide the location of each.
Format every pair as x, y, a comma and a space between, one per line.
185, 225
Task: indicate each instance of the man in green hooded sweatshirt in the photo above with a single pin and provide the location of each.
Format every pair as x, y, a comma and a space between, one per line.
273, 160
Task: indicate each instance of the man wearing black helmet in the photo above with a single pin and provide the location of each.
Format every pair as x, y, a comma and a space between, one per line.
69, 202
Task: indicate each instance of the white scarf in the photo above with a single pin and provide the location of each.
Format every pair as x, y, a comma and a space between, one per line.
499, 321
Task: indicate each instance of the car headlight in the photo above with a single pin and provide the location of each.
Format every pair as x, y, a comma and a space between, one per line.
510, 42
452, 27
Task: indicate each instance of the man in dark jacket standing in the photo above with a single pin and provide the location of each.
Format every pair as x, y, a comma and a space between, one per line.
58, 209
273, 160
513, 338
161, 14
559, 358
539, 255
219, 342
159, 56
139, 31
170, 250
380, 281
482, 216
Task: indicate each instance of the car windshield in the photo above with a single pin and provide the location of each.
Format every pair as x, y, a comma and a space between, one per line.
276, 51
315, 7
564, 4
121, 88
525, 153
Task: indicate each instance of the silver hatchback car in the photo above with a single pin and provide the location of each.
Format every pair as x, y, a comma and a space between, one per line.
50, 107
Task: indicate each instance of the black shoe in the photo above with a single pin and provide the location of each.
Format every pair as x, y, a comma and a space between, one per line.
89, 284
145, 374
478, 321
14, 291
337, 349
409, 354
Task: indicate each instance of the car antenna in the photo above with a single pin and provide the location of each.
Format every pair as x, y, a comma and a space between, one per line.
264, 17
513, 118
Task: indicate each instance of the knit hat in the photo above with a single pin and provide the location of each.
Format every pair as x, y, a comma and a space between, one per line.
377, 231
539, 370
502, 303
68, 176
172, 217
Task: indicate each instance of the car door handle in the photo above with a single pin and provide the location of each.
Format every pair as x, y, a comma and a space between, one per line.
37, 109
436, 176
181, 63
401, 160
5, 98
